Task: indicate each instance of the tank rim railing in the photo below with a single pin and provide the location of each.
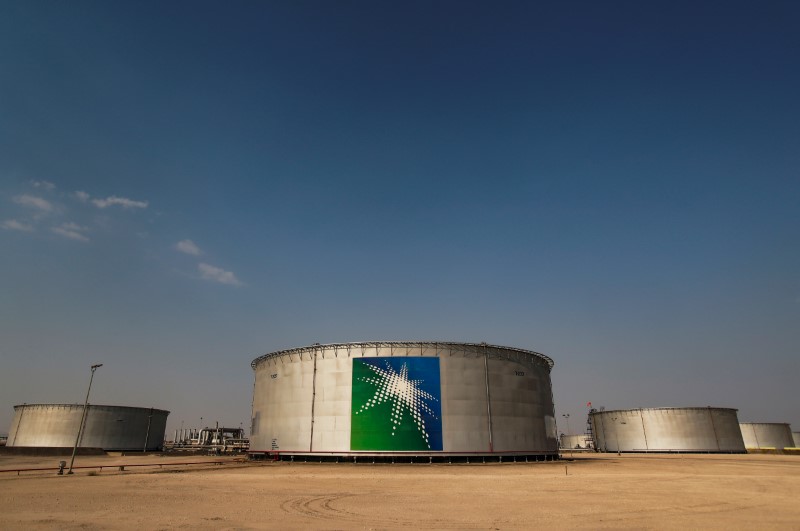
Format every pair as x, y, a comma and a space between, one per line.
669, 408
475, 347
52, 405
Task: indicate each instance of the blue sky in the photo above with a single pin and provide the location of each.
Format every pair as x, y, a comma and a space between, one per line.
613, 184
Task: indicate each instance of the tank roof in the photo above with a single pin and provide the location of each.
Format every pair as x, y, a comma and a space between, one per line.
476, 347
660, 408
91, 406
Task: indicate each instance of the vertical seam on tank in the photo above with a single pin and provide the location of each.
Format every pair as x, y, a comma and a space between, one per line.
488, 396
313, 401
714, 429
644, 431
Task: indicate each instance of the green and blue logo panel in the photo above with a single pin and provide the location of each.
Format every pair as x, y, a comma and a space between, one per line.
396, 404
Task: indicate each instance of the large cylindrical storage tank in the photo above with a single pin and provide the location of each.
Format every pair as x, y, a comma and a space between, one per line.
118, 428
766, 435
680, 429
403, 398
575, 442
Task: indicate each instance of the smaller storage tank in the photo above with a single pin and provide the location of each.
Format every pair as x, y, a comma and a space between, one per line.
796, 438
668, 429
118, 428
575, 442
766, 435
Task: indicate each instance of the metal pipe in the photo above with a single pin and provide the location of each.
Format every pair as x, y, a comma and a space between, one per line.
83, 417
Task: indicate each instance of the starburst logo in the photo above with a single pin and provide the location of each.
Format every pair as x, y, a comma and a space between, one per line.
396, 404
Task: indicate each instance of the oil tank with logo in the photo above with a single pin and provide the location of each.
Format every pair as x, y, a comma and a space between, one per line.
403, 398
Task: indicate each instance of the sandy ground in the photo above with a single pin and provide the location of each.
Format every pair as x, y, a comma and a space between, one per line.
594, 491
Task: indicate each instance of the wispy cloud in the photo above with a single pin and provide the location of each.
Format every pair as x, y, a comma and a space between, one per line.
124, 202
73, 231
45, 185
34, 202
216, 274
188, 247
13, 224
82, 196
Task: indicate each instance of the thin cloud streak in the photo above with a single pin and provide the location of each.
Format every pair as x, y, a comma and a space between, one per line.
124, 202
34, 202
72, 231
217, 274
188, 247
46, 185
13, 224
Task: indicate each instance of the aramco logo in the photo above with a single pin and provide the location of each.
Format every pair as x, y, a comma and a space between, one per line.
396, 404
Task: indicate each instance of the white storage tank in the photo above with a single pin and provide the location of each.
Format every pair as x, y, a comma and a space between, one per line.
403, 398
767, 435
670, 429
575, 442
119, 428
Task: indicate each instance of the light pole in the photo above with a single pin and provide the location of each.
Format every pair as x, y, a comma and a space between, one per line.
83, 417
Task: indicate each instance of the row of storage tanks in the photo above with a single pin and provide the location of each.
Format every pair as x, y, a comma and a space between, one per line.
401, 398
440, 398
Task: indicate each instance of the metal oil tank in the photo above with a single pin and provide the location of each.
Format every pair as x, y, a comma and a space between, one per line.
117, 428
403, 398
575, 442
766, 435
673, 429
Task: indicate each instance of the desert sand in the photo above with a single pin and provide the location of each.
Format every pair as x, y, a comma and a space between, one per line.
596, 491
